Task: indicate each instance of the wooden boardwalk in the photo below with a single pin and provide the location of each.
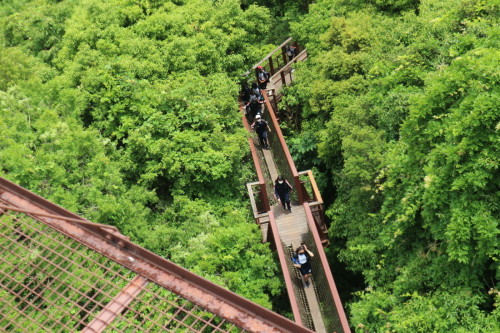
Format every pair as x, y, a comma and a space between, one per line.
293, 229
292, 226
287, 230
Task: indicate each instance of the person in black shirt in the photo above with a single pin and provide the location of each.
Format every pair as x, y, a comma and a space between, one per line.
261, 127
245, 93
262, 77
255, 91
254, 108
282, 189
291, 51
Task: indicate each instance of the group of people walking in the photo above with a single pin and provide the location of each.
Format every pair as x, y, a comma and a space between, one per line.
253, 100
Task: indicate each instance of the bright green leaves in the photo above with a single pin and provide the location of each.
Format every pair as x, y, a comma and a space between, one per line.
403, 107
455, 310
126, 112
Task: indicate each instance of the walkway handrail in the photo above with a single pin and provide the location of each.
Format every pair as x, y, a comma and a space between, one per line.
267, 57
344, 325
284, 148
316, 194
290, 63
260, 175
284, 268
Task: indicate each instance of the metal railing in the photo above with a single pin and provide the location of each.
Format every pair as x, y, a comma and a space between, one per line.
274, 237
276, 59
284, 76
261, 202
305, 313
282, 157
313, 197
333, 313
59, 274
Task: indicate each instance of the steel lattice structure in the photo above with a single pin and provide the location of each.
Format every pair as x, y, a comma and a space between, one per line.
62, 273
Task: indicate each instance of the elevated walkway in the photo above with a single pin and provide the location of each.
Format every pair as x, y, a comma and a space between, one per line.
319, 307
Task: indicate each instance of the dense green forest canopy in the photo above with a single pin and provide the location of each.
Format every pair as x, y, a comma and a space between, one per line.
400, 117
125, 112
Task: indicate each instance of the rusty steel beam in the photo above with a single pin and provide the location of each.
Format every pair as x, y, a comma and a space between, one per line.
114, 308
326, 267
222, 302
284, 268
69, 219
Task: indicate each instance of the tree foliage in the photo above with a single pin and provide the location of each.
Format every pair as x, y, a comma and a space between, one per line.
409, 94
125, 112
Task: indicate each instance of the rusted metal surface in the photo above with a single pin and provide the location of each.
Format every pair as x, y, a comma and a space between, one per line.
68, 219
116, 306
207, 296
328, 274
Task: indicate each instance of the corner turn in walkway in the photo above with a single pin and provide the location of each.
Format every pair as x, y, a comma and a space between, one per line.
317, 307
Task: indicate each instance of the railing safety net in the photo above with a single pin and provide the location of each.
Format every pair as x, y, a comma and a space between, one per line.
280, 159
51, 283
305, 313
331, 317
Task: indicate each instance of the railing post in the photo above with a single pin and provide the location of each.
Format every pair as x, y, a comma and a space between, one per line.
298, 186
283, 53
265, 198
283, 79
271, 66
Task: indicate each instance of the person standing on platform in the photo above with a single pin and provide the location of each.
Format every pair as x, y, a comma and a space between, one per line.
282, 190
262, 128
262, 77
302, 260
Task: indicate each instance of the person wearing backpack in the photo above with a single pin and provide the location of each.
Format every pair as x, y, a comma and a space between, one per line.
255, 91
262, 77
302, 260
291, 51
254, 108
261, 127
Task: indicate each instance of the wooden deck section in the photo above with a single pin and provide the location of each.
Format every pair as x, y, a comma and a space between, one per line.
292, 226
293, 229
